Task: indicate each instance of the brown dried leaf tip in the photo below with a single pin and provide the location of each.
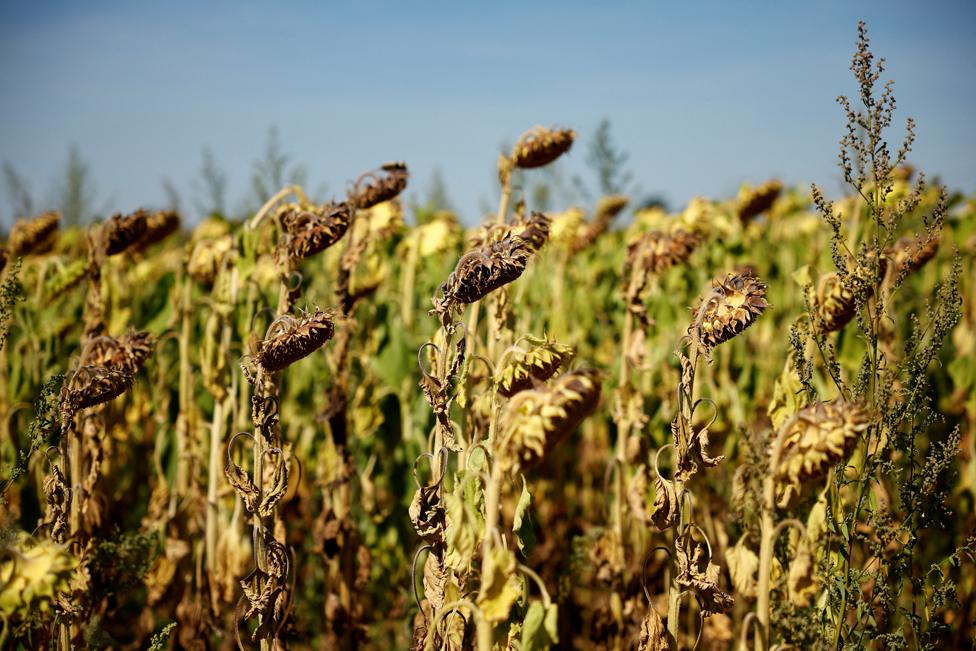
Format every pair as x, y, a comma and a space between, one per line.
536, 421
33, 235
310, 229
756, 201
376, 188
289, 339
540, 146
815, 439
482, 270
122, 231
732, 305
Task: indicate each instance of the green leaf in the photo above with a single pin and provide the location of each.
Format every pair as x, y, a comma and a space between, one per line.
521, 527
500, 585
539, 628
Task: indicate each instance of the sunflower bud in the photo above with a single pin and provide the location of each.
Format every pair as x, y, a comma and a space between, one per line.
539, 147
816, 438
33, 235
120, 232
536, 421
754, 202
732, 305
290, 339
378, 189
311, 229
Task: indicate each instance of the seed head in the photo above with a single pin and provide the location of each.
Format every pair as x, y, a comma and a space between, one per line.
537, 420
816, 438
483, 270
92, 385
379, 188
120, 232
732, 305
310, 229
127, 353
159, 226
528, 366
289, 339
656, 251
606, 211
540, 146
536, 231
33, 235
911, 254
756, 201
836, 304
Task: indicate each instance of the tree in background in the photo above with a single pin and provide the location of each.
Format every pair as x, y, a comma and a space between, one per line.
18, 192
607, 161
274, 170
214, 186
76, 194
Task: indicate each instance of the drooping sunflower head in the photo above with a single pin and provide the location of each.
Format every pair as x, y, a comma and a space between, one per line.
539, 147
731, 306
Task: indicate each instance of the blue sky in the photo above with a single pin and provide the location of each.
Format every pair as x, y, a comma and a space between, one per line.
702, 95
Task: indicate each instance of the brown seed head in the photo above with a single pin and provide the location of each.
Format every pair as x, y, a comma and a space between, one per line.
536, 231
377, 188
836, 304
539, 147
483, 270
127, 353
120, 232
656, 251
732, 305
758, 200
92, 385
289, 339
310, 229
606, 211
33, 235
815, 439
159, 226
536, 421
911, 254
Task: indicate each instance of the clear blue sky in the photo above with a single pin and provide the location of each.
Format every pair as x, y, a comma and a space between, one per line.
702, 95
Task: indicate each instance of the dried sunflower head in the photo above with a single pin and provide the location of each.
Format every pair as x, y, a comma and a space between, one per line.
540, 146
732, 305
606, 210
159, 226
755, 201
835, 302
33, 235
483, 270
378, 188
816, 438
657, 251
289, 339
536, 421
911, 254
128, 352
310, 229
122, 231
536, 230
526, 367
91, 385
